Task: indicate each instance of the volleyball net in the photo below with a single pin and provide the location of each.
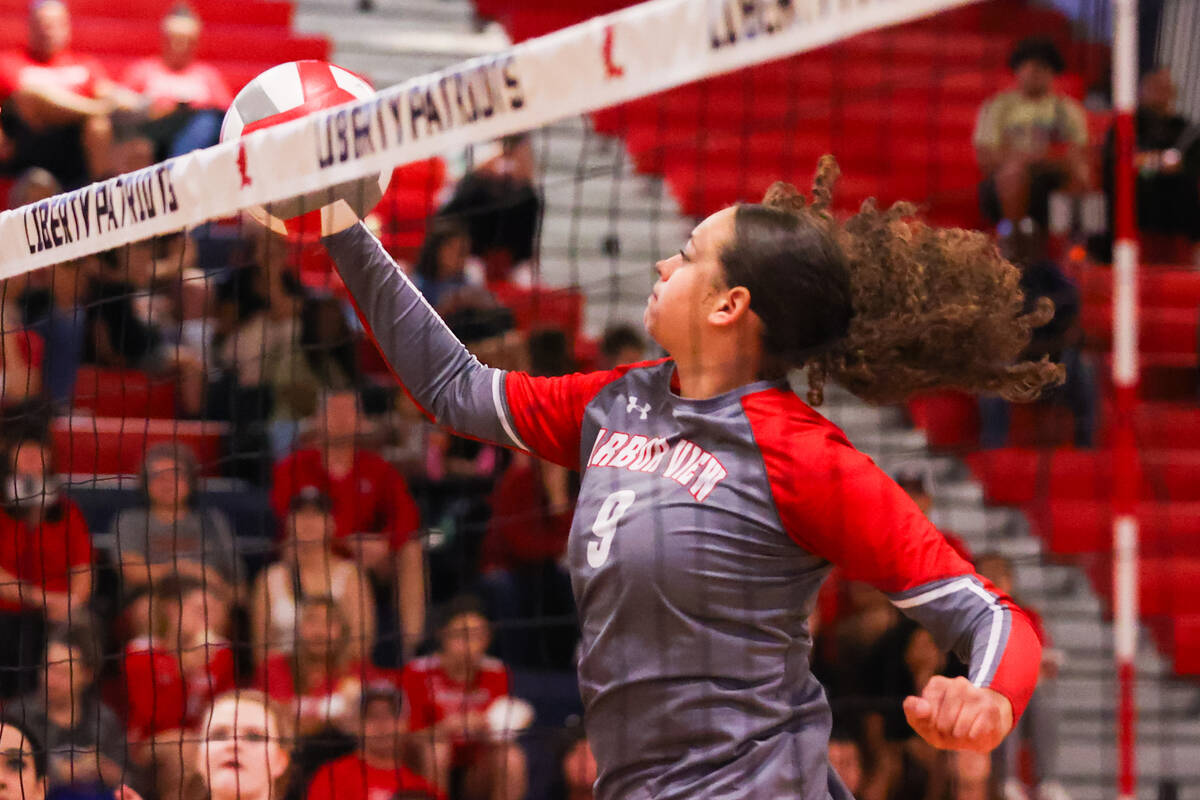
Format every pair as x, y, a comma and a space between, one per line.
203, 405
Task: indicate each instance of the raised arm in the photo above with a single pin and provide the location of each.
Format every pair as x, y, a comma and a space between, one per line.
434, 366
539, 415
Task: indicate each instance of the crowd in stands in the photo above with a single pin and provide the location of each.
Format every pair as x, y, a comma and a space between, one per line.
363, 609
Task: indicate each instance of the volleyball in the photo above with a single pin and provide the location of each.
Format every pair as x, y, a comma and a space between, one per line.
287, 92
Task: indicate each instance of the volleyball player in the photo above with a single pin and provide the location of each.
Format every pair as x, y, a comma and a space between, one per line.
714, 500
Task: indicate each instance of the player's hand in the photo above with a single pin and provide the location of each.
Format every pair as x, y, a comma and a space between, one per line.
954, 714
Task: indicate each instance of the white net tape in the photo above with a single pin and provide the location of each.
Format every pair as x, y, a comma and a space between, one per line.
599, 63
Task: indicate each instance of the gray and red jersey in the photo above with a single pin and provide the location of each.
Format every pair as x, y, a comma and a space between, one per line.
703, 531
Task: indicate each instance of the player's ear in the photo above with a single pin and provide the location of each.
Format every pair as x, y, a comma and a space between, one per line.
730, 306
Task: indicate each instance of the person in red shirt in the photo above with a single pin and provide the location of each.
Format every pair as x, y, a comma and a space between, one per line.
377, 770
450, 693
57, 105
374, 512
21, 352
187, 97
45, 560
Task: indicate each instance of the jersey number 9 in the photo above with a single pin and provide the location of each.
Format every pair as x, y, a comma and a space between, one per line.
611, 511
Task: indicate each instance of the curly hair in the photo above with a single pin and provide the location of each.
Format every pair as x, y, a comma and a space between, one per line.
928, 307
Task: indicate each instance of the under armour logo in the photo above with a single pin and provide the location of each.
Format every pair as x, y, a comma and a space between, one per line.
611, 68
633, 406
241, 164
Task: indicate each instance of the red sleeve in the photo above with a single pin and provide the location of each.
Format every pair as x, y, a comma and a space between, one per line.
79, 541
218, 91
403, 516
32, 348
548, 412
837, 504
275, 678
415, 684
326, 783
154, 691
8, 75
96, 74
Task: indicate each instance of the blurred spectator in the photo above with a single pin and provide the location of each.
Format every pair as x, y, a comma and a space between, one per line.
442, 269
532, 507
169, 536
846, 758
54, 308
579, 770
621, 344
917, 480
378, 769
187, 98
57, 104
173, 670
375, 516
449, 693
84, 739
1030, 141
23, 768
22, 352
309, 567
318, 676
122, 334
1167, 161
1037, 729
330, 345
244, 748
500, 207
902, 661
45, 560
1060, 339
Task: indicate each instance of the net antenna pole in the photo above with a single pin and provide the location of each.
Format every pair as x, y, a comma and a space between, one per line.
1125, 384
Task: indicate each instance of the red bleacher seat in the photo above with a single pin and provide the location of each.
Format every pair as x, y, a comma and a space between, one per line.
1185, 639
950, 419
539, 306
123, 393
1075, 527
115, 445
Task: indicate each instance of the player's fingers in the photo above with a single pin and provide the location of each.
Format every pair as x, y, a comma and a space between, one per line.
949, 709
971, 712
984, 733
917, 708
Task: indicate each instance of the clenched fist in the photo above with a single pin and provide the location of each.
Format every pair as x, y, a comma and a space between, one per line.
954, 714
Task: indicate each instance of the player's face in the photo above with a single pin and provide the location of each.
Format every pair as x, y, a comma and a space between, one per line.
678, 305
240, 755
18, 776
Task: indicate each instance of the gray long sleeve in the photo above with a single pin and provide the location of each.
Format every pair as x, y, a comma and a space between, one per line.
434, 366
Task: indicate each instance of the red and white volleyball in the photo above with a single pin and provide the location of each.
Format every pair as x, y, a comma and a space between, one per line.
287, 92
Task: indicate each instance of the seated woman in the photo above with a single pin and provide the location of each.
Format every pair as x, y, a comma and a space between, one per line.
169, 535
45, 560
309, 567
319, 684
23, 769
172, 672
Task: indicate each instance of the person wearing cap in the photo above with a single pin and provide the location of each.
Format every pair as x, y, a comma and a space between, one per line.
378, 769
309, 567
187, 98
1030, 140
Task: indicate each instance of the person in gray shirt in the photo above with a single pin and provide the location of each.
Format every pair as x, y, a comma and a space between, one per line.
169, 535
714, 501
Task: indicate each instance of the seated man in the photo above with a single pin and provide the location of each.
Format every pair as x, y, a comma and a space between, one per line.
1030, 140
1167, 162
450, 693
57, 104
187, 97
